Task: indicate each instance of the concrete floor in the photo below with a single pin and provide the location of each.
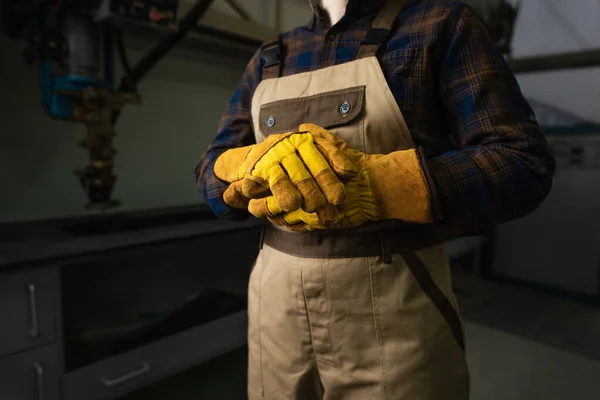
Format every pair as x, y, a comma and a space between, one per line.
503, 367
508, 367
521, 345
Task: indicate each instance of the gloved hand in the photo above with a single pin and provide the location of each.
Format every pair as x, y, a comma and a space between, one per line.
287, 166
357, 208
391, 186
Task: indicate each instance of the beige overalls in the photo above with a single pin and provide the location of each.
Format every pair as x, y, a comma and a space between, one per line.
363, 314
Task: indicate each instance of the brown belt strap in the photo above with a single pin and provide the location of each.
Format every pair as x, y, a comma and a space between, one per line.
350, 244
437, 297
382, 26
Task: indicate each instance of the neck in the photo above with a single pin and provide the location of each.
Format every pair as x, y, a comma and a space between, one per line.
335, 9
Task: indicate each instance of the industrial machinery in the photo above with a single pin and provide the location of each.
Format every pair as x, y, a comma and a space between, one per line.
73, 44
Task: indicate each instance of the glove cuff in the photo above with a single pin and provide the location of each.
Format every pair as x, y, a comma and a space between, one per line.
401, 187
361, 201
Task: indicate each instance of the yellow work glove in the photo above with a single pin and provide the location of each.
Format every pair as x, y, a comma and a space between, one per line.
391, 186
287, 166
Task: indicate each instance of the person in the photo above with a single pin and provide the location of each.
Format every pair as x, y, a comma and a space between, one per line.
366, 139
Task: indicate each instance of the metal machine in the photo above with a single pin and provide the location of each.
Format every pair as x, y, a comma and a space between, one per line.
74, 44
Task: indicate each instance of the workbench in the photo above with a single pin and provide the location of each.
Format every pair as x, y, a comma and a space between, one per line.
42, 262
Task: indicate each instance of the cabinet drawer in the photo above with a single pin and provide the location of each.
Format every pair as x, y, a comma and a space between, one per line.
28, 302
135, 369
31, 375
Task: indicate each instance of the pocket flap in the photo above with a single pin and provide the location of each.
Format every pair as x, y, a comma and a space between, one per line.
326, 110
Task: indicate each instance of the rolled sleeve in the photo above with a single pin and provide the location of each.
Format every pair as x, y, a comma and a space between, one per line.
235, 130
502, 168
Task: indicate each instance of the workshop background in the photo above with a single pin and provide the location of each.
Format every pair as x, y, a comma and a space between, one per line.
112, 304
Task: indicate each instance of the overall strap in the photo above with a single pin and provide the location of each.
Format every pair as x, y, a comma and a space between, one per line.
381, 29
270, 55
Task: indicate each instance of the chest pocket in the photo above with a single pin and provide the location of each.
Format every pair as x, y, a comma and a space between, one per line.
340, 111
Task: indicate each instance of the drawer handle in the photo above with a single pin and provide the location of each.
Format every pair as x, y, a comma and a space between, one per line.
39, 373
117, 381
33, 330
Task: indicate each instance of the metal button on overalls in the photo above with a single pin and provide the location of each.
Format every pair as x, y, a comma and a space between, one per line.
345, 108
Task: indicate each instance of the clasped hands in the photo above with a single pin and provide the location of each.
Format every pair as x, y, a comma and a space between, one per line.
312, 180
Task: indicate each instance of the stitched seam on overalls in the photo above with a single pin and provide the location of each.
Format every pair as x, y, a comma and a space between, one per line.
329, 344
312, 341
352, 89
375, 304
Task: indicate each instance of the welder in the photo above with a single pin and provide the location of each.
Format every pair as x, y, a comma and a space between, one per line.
366, 139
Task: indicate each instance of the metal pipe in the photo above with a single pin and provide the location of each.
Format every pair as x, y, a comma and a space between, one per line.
130, 80
122, 51
554, 62
140, 70
83, 43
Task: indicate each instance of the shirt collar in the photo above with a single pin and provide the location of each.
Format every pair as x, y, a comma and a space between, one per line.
354, 9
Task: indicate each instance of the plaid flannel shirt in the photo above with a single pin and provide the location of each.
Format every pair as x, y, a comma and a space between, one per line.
450, 81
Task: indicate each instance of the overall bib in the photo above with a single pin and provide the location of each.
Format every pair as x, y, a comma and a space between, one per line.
366, 313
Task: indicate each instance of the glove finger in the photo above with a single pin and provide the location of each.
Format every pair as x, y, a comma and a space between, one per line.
332, 217
332, 148
260, 149
262, 167
234, 197
263, 208
312, 198
340, 164
286, 194
278, 220
298, 221
254, 187
300, 217
324, 176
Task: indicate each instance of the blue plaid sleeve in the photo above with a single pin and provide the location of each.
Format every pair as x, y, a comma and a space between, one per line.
502, 169
235, 130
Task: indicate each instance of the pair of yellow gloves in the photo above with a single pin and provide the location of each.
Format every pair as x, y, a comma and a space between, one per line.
311, 180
